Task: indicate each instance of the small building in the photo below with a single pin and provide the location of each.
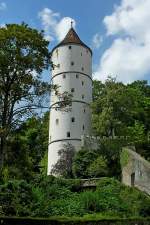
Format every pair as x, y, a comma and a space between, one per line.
135, 170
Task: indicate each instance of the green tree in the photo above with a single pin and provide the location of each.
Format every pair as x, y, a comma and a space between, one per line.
118, 108
23, 53
82, 161
26, 147
98, 168
63, 166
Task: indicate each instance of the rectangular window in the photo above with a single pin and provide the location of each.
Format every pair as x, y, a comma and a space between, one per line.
72, 63
72, 90
64, 75
57, 121
77, 76
72, 119
82, 83
68, 134
82, 96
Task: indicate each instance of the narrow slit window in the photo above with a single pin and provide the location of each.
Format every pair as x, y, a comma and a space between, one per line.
64, 76
57, 121
81, 53
72, 90
83, 127
82, 96
77, 76
68, 134
72, 63
72, 119
82, 83
84, 110
82, 68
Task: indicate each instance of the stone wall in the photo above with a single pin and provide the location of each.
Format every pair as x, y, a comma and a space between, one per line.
135, 170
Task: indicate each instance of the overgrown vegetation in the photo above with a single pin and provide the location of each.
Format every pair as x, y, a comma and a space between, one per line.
51, 196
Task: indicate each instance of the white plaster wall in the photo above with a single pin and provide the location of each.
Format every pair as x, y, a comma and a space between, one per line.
82, 86
80, 109
80, 55
59, 131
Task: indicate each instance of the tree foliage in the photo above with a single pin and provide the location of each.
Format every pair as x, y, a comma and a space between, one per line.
63, 166
122, 110
23, 56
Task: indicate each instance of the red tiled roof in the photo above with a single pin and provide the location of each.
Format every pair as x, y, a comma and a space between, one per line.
72, 38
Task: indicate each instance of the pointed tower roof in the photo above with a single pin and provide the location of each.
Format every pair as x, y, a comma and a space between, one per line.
71, 38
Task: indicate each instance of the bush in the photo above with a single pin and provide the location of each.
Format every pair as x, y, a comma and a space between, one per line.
51, 196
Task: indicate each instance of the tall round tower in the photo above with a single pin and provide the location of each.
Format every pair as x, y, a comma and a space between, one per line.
72, 72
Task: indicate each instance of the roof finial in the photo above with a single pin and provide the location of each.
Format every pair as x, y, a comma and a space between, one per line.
71, 23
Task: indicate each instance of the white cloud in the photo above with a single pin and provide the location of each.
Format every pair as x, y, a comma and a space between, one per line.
2, 25
97, 41
54, 26
3, 6
129, 55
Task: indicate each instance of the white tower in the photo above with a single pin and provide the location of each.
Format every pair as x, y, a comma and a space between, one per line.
72, 73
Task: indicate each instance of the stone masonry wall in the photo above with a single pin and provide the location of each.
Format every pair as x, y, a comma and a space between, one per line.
135, 170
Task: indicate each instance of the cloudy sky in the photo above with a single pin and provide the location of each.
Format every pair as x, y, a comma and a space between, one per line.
118, 31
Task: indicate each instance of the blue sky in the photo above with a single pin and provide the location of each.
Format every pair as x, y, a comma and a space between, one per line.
116, 30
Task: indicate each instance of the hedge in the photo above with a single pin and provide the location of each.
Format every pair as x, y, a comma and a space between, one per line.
72, 221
